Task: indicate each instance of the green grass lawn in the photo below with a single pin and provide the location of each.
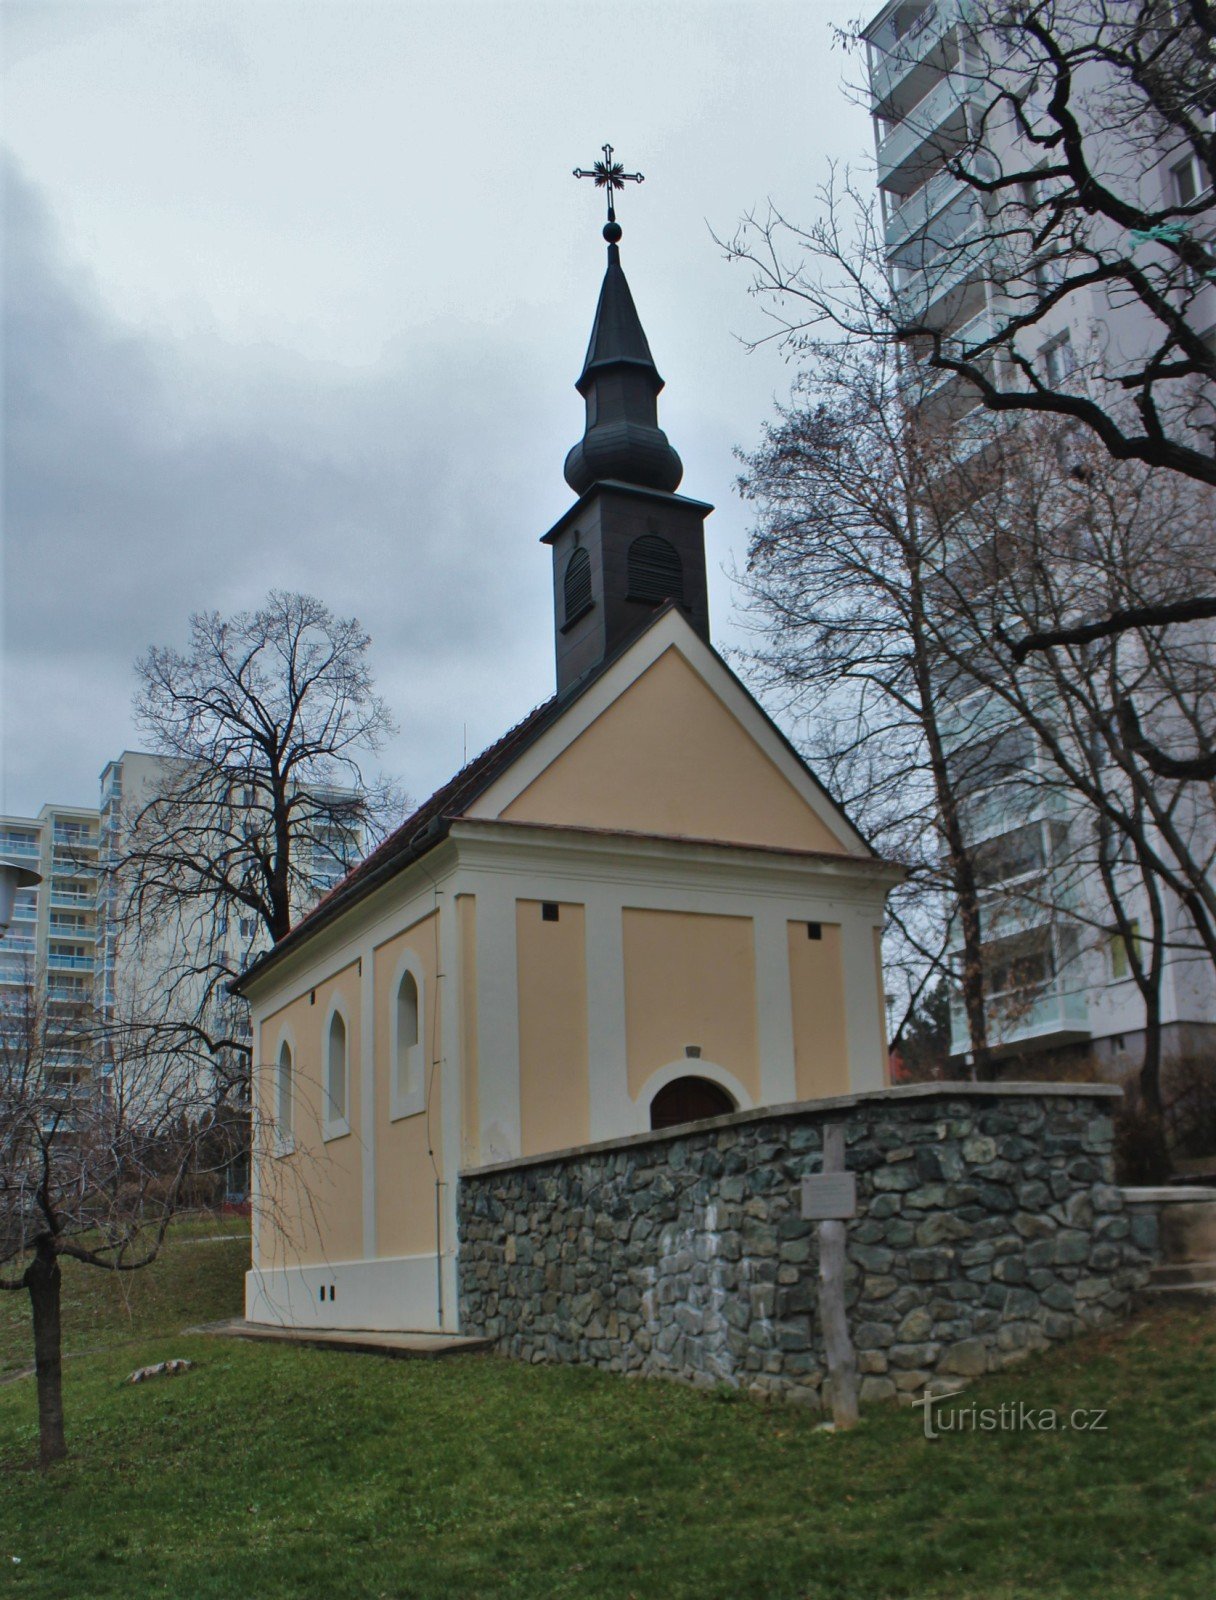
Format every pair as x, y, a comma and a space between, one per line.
271, 1471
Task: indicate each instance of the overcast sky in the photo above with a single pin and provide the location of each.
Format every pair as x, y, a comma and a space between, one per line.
295, 296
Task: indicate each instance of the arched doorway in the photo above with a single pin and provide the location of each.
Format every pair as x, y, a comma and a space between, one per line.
689, 1100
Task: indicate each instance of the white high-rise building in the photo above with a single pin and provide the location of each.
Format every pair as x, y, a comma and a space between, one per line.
135, 974
1058, 982
65, 961
48, 954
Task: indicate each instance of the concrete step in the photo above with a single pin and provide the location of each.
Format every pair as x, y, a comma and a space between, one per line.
1183, 1272
361, 1341
1195, 1295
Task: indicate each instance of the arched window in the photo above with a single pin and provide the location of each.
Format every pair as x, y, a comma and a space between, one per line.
335, 1075
407, 1033
283, 1094
688, 1100
655, 571
407, 1086
577, 586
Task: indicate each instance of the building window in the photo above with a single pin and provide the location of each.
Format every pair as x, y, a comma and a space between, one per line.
283, 1097
577, 587
336, 1077
655, 571
689, 1100
1120, 960
408, 1084
1189, 181
1059, 361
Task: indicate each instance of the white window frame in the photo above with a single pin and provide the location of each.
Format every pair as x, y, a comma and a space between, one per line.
1188, 173
1052, 352
409, 1098
284, 1130
335, 1127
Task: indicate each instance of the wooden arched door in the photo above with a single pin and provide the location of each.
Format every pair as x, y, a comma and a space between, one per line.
688, 1100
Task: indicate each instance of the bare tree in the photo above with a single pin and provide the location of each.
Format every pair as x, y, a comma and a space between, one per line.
264, 723
891, 565
1043, 527
1082, 135
840, 571
90, 1170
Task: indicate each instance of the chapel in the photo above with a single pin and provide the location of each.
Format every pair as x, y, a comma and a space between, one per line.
638, 908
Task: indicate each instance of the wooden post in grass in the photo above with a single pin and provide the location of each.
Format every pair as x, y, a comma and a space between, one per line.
830, 1198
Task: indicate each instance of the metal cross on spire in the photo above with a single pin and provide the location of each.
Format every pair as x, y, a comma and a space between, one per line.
610, 175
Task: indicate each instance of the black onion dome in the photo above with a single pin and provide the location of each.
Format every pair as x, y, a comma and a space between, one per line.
620, 385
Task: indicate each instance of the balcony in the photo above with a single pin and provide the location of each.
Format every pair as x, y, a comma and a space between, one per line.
950, 287
943, 391
73, 838
901, 57
19, 845
1050, 1016
65, 897
70, 863
57, 962
57, 927
933, 128
69, 994
915, 211
1010, 804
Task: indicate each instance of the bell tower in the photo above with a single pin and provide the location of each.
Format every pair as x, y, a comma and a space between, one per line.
630, 543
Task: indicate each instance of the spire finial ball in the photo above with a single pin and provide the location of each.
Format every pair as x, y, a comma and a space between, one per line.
612, 232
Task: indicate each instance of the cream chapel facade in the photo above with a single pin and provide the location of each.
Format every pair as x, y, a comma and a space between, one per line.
638, 908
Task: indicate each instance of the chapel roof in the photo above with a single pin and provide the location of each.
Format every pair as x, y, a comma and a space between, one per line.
430, 823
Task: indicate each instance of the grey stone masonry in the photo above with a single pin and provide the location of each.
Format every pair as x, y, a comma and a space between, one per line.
988, 1225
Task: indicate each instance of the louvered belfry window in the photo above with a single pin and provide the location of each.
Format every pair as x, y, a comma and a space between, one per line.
577, 585
655, 571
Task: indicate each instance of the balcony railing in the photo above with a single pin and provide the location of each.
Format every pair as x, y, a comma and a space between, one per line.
66, 862
73, 839
74, 963
67, 897
1050, 1014
928, 381
945, 101
18, 844
930, 294
895, 54
72, 993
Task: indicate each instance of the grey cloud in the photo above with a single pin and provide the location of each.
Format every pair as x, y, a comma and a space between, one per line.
146, 479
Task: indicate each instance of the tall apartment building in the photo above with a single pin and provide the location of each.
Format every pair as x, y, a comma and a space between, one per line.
50, 948
1055, 983
128, 971
65, 946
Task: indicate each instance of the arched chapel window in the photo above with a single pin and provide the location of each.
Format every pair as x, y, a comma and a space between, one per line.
283, 1093
655, 571
335, 1069
407, 1064
688, 1100
577, 586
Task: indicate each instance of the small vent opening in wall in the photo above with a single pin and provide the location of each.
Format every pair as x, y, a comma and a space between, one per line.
814, 930
549, 911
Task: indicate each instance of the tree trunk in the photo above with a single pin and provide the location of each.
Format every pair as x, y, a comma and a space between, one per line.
42, 1279
1157, 1149
962, 870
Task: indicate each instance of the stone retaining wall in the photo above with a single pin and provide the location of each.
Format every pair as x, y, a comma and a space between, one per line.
988, 1225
